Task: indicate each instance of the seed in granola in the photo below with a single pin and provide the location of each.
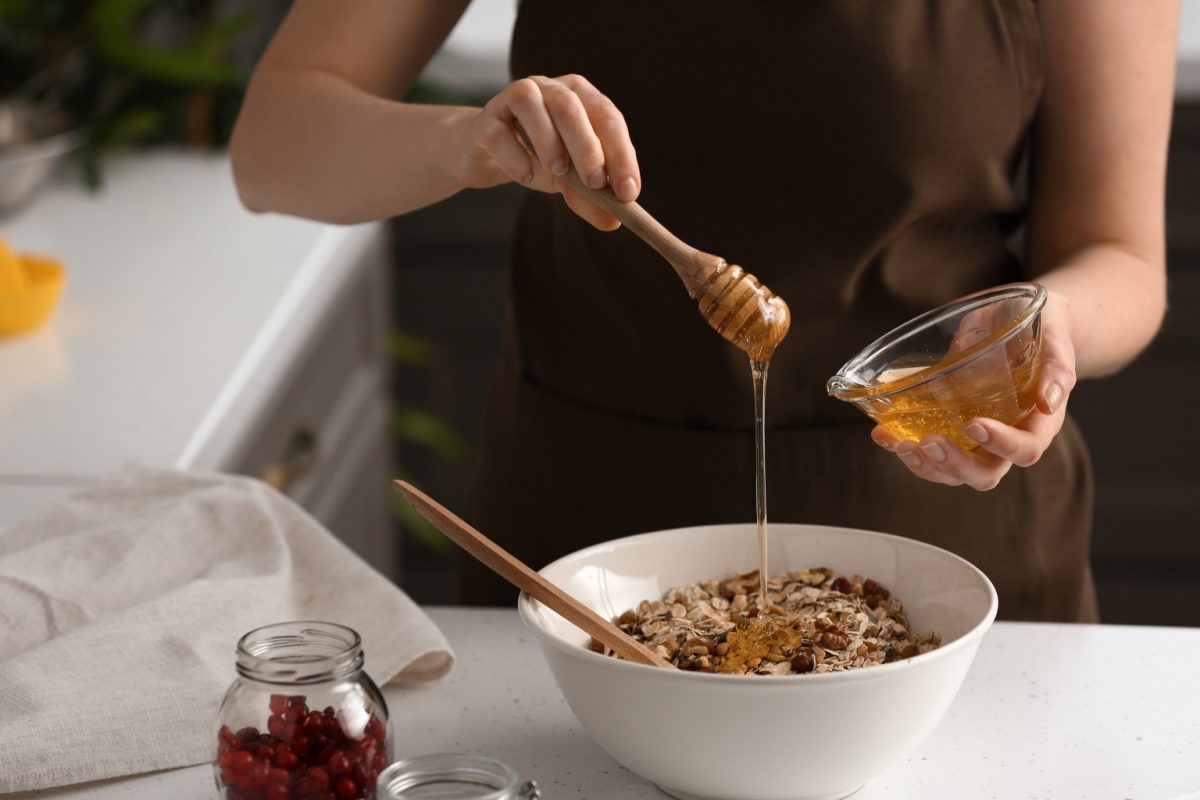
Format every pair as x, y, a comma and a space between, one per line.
802, 662
840, 584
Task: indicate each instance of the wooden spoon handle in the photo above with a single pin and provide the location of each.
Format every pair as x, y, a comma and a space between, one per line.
693, 266
518, 574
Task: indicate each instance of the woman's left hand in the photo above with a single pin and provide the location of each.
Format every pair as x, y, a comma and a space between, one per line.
1001, 446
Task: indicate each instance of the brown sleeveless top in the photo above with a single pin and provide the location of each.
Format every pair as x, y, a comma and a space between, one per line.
859, 157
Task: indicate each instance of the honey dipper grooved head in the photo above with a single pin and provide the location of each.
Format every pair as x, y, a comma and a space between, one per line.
743, 311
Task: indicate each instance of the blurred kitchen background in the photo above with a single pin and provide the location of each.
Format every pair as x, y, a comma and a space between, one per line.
327, 366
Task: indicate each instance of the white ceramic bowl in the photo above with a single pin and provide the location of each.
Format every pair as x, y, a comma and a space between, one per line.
796, 737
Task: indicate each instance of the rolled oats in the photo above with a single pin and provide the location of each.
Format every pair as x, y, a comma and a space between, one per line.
814, 621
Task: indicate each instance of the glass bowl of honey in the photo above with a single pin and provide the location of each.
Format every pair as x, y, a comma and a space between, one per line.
975, 357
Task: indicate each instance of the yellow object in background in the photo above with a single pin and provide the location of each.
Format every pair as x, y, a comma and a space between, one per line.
29, 289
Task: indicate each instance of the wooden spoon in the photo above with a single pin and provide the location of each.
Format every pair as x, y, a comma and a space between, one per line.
515, 572
732, 301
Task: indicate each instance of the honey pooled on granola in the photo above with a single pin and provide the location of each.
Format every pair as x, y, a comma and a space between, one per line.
759, 639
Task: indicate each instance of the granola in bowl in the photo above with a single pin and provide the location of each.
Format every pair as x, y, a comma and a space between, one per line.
813, 621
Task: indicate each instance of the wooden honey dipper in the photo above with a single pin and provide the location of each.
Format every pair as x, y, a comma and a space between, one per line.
734, 302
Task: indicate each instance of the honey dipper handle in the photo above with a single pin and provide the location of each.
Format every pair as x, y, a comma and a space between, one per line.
518, 574
693, 266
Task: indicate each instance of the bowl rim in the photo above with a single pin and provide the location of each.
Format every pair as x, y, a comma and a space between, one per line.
841, 388
879, 671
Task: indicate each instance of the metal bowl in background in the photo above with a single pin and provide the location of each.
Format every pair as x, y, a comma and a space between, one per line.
33, 142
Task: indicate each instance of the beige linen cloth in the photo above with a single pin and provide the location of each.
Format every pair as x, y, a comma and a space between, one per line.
120, 610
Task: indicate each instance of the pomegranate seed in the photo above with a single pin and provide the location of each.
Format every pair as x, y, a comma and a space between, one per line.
294, 713
257, 776
286, 759
319, 777
275, 726
226, 735
323, 753
300, 745
329, 712
277, 791
379, 762
266, 751
279, 703
347, 789
247, 735
241, 761
339, 762
802, 662
841, 585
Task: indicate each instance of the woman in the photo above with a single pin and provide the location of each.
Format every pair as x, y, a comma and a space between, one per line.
860, 158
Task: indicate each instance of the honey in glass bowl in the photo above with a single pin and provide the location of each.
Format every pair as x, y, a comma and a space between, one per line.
975, 357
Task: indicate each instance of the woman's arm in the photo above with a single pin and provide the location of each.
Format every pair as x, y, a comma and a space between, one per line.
1096, 220
322, 133
1096, 217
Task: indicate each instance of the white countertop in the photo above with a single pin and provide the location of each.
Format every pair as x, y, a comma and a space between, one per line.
475, 56
180, 309
1048, 711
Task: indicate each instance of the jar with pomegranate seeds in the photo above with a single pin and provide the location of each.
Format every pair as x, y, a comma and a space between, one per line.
302, 721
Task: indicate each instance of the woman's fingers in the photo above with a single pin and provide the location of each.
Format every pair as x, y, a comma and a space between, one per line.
590, 213
608, 122
524, 102
1057, 355
574, 127
881, 437
922, 466
566, 121
498, 140
980, 471
1022, 446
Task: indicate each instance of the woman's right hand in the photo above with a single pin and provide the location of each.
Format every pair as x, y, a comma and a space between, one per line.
569, 121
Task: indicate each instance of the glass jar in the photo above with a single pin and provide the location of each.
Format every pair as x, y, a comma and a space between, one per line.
302, 720
454, 777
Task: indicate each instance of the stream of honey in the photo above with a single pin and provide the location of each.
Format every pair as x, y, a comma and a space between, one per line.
758, 370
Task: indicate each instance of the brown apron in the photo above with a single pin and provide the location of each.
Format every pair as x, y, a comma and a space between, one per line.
859, 157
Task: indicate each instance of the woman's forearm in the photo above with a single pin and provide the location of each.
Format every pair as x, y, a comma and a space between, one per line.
312, 144
1116, 302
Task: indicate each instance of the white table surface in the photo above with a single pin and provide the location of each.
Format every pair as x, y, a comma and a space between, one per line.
181, 311
1048, 711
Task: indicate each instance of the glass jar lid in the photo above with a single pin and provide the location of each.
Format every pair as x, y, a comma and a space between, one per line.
453, 776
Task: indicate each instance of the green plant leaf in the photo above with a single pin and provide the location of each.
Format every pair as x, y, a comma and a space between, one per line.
135, 125
408, 349
197, 63
421, 427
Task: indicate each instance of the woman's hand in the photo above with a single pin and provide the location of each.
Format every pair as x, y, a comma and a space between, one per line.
568, 121
1001, 446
